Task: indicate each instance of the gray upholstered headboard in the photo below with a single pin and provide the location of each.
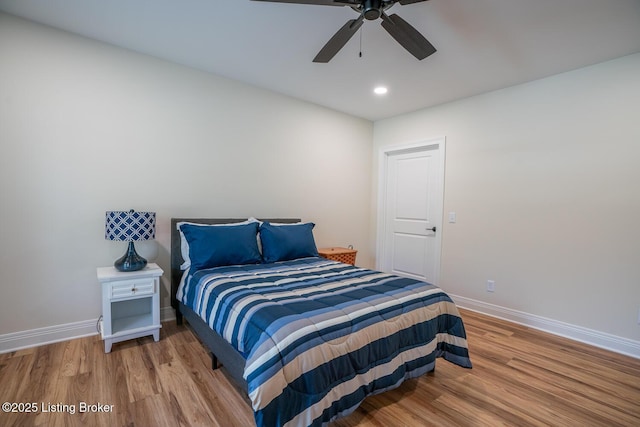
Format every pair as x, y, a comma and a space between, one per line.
176, 254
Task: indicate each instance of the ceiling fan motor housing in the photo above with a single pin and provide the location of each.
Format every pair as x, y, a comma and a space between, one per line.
372, 9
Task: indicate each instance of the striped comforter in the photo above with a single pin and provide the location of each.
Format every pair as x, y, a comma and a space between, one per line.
319, 336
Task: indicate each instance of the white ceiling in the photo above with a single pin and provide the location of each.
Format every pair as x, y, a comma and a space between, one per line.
482, 44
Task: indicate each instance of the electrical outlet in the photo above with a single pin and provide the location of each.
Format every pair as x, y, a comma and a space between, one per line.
491, 286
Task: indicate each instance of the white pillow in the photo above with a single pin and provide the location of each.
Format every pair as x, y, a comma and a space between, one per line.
184, 245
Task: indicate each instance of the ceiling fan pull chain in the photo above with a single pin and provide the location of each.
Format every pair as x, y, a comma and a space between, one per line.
360, 42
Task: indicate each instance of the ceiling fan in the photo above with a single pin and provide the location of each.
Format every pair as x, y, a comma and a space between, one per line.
398, 28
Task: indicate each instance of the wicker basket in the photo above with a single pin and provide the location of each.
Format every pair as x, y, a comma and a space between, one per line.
344, 255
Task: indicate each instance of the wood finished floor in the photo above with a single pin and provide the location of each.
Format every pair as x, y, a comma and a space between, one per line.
520, 377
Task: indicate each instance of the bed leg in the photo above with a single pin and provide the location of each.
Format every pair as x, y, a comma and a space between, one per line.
178, 317
214, 362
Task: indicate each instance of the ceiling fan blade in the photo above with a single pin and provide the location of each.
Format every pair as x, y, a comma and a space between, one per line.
407, 36
319, 2
403, 2
338, 40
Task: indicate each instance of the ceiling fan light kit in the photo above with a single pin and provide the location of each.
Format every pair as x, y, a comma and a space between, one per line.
405, 34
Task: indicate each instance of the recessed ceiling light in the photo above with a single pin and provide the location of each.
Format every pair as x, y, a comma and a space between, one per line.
380, 90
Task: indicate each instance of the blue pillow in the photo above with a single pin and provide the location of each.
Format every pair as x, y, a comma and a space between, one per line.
285, 242
222, 245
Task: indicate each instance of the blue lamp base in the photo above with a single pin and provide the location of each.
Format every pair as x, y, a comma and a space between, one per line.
130, 261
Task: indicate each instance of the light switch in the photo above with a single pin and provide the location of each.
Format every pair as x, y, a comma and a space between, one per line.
452, 217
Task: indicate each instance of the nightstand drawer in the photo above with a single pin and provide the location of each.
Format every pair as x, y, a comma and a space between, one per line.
132, 288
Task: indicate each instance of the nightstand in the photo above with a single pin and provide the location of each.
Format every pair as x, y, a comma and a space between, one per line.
130, 304
345, 255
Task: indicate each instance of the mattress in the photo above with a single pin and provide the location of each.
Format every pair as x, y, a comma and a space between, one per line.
319, 336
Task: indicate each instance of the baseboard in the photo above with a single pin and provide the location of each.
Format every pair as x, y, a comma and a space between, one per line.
167, 313
47, 335
52, 334
578, 333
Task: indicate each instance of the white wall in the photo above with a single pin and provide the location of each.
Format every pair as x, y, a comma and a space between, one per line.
86, 127
545, 181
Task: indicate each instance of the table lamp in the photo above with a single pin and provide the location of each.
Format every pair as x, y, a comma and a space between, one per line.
130, 227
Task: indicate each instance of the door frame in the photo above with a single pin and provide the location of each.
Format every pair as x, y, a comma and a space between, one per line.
383, 160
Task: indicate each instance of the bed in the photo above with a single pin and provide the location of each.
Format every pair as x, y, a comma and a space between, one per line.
305, 337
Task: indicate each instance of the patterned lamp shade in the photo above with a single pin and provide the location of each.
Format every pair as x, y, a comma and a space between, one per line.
130, 227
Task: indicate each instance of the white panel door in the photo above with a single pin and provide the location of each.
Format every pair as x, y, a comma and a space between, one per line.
412, 213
